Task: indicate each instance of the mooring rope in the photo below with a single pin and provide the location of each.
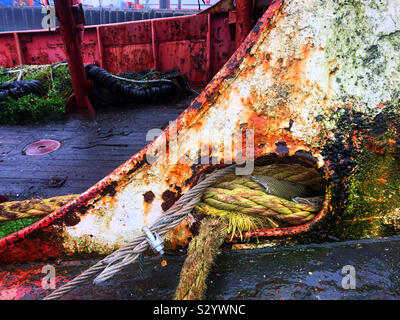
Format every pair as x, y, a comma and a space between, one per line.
239, 203
142, 81
32, 208
201, 254
293, 173
115, 262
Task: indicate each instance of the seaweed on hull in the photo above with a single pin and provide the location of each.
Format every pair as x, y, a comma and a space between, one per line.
33, 93
39, 92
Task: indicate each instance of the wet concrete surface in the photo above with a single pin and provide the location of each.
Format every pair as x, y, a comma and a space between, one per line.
309, 272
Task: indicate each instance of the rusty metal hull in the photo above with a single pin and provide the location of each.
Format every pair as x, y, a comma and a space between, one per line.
301, 88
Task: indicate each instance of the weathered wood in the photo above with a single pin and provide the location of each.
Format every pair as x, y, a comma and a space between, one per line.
23, 177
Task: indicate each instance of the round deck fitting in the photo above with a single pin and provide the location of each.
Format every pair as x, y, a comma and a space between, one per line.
41, 147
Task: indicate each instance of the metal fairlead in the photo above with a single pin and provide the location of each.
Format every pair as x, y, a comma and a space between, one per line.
154, 240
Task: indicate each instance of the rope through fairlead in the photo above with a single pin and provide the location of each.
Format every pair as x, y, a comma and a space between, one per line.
233, 206
237, 203
115, 262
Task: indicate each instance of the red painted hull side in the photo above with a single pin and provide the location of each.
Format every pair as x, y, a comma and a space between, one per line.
198, 45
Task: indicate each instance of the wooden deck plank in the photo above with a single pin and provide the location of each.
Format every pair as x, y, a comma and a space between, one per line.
90, 149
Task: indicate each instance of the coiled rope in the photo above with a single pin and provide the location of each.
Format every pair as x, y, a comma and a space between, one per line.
237, 205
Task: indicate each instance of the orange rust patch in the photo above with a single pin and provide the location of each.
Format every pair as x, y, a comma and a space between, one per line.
179, 236
267, 132
294, 72
179, 172
146, 209
251, 60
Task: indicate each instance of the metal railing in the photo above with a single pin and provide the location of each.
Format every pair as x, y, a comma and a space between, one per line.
30, 18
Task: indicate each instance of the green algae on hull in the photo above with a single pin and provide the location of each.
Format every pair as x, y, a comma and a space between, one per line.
12, 226
31, 108
362, 50
364, 164
374, 192
365, 42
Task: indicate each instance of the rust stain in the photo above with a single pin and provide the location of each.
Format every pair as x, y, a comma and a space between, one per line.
146, 210
169, 198
148, 196
179, 236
